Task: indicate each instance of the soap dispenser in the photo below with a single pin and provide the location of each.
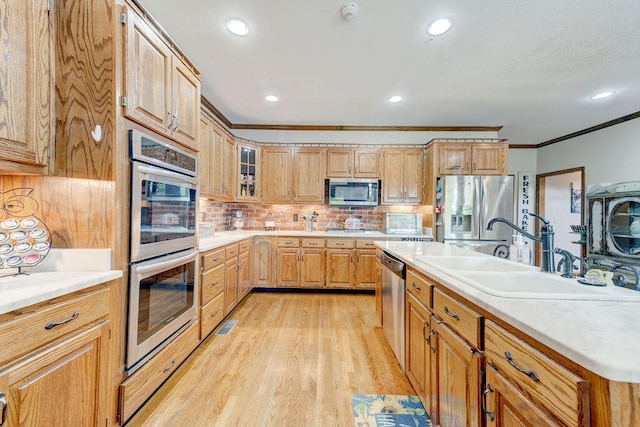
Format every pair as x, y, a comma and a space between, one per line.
519, 251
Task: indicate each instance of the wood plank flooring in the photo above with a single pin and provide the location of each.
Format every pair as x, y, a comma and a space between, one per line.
292, 360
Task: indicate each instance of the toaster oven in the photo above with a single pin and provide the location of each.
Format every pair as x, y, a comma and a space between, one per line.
405, 223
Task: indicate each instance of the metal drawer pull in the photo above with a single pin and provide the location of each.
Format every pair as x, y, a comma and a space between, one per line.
3, 401
530, 373
173, 362
214, 313
215, 282
487, 390
428, 337
216, 259
454, 315
416, 286
52, 325
339, 244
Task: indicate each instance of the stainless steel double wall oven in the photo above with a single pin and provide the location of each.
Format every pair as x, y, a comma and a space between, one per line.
163, 258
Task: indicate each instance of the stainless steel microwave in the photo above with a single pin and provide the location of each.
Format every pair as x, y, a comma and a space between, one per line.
353, 192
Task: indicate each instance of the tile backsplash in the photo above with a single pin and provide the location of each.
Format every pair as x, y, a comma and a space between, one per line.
330, 217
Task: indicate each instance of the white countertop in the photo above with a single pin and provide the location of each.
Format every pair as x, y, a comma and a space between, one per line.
63, 271
227, 237
602, 336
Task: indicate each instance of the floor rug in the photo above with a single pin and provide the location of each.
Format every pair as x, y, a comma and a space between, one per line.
386, 410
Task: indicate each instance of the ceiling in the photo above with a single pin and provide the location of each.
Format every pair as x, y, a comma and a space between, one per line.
528, 66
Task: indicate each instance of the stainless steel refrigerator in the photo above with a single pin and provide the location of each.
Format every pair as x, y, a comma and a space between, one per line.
468, 204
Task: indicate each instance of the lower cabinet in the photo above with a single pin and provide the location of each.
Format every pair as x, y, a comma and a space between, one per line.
262, 259
54, 361
340, 268
230, 284
531, 383
418, 350
312, 267
244, 274
212, 281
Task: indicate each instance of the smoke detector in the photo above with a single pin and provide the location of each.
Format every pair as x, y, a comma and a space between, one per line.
349, 11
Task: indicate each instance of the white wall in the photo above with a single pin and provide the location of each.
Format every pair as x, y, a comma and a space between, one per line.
609, 155
558, 210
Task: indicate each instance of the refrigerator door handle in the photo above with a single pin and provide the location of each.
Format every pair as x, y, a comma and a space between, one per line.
477, 207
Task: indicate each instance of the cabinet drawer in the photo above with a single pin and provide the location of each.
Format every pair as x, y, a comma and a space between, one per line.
231, 251
244, 246
288, 242
365, 244
136, 389
29, 332
419, 287
212, 258
312, 243
555, 388
460, 318
340, 243
212, 283
211, 315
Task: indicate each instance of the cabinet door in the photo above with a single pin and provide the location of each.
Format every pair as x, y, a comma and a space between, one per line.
412, 168
457, 368
365, 261
262, 262
308, 175
244, 275
505, 405
64, 385
379, 291
339, 163
392, 177
453, 158
418, 350
218, 153
229, 168
277, 173
248, 173
25, 86
205, 157
288, 267
230, 284
186, 104
312, 268
366, 164
489, 159
148, 77
339, 268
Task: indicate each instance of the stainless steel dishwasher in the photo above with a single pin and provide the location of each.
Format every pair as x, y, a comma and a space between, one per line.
393, 297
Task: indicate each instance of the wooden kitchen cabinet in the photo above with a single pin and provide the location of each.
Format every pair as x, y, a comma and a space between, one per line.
205, 156
262, 262
378, 272
217, 161
162, 92
352, 163
231, 274
248, 173
468, 158
532, 382
365, 273
402, 176
212, 279
26, 116
244, 270
418, 350
54, 361
293, 175
505, 405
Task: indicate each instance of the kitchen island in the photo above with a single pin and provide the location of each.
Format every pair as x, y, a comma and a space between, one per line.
595, 340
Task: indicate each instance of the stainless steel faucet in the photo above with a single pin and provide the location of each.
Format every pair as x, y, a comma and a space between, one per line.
622, 279
546, 239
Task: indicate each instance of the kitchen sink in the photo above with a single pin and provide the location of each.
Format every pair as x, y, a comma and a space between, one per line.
473, 263
542, 286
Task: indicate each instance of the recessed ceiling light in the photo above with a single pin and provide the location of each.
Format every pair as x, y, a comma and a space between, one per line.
395, 98
602, 95
439, 26
237, 27
271, 98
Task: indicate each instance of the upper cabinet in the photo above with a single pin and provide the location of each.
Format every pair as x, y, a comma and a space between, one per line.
293, 175
248, 174
217, 161
161, 91
352, 163
470, 158
25, 86
402, 176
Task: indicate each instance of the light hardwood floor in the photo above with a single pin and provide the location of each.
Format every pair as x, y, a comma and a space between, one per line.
292, 360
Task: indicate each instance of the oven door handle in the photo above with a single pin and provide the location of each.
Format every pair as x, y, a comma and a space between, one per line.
152, 171
164, 265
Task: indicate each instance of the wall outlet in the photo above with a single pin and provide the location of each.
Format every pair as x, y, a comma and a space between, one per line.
295, 217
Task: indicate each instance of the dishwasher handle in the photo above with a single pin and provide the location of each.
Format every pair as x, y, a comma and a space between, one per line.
393, 264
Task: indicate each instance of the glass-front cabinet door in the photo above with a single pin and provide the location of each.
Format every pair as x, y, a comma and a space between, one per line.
248, 172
